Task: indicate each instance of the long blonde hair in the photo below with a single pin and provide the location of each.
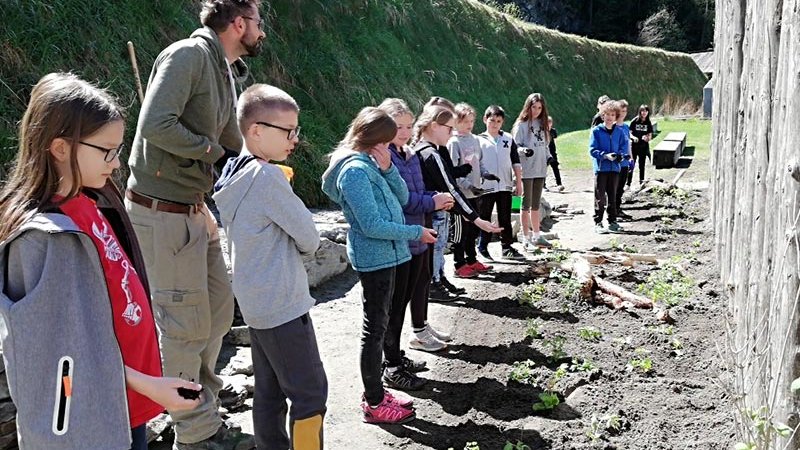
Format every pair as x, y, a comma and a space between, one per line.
430, 114
61, 106
525, 113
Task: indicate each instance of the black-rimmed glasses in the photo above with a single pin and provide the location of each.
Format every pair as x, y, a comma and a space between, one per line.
111, 153
448, 126
259, 22
291, 133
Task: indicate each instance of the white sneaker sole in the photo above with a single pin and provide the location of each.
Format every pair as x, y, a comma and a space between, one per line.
426, 346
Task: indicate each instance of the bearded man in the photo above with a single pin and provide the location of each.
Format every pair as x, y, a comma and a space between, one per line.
187, 123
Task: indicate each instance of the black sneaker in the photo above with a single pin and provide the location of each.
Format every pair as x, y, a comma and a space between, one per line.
439, 294
402, 379
510, 253
451, 287
410, 365
485, 254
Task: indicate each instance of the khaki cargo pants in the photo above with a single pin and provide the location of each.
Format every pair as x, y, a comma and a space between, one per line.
192, 304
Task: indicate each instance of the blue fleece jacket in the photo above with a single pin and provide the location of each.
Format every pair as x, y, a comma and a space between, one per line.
602, 142
372, 202
625, 146
420, 201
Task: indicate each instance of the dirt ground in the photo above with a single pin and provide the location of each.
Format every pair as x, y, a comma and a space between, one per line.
679, 404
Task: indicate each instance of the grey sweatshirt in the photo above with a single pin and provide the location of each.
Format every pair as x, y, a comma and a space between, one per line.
269, 230
465, 149
529, 134
499, 157
55, 307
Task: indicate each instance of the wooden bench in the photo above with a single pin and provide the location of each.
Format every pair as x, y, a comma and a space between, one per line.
669, 151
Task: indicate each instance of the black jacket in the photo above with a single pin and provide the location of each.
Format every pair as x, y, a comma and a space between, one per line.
437, 173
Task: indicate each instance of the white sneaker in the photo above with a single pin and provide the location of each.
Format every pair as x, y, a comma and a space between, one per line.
440, 335
560, 188
529, 246
426, 342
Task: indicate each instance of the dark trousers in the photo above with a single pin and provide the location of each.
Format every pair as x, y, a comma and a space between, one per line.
464, 248
605, 193
407, 280
553, 162
139, 437
623, 175
378, 288
286, 365
503, 201
640, 153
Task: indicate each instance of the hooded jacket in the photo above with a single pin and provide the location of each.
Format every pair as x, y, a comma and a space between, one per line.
187, 117
499, 157
51, 324
531, 135
372, 202
269, 230
439, 178
463, 148
602, 142
420, 201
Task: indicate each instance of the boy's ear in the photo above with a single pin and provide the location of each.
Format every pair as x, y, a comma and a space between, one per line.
60, 149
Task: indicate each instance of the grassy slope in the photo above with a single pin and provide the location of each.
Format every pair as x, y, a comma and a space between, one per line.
336, 57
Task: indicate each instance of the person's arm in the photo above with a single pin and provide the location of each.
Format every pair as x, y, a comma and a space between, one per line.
594, 146
169, 90
279, 204
435, 169
357, 192
516, 166
163, 390
396, 184
455, 151
520, 134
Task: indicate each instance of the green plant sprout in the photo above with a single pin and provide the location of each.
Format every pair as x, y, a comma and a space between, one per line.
531, 295
522, 372
547, 401
590, 334
533, 328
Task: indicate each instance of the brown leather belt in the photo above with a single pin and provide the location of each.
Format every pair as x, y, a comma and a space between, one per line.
163, 206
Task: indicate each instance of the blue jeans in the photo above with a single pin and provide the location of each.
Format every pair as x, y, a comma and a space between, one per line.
441, 224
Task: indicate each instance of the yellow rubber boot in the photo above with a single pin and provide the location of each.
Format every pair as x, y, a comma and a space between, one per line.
307, 433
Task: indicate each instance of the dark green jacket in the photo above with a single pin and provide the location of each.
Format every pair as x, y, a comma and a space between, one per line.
187, 117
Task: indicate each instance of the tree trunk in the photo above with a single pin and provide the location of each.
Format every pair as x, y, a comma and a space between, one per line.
756, 201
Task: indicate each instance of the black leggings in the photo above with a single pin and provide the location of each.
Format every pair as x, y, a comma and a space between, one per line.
640, 153
378, 287
466, 243
623, 175
410, 281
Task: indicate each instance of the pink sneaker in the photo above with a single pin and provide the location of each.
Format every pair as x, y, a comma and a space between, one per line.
386, 412
399, 398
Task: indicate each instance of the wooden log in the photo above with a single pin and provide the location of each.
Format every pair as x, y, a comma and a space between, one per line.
623, 294
583, 275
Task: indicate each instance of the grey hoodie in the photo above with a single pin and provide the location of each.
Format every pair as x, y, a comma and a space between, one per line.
269, 229
529, 134
49, 318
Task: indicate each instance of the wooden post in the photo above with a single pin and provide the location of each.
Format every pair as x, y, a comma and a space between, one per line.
756, 204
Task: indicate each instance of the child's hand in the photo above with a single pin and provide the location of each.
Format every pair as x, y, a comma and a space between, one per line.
518, 189
487, 226
610, 156
164, 391
428, 236
443, 201
382, 156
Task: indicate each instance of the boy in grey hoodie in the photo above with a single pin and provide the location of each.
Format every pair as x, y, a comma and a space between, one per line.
269, 230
